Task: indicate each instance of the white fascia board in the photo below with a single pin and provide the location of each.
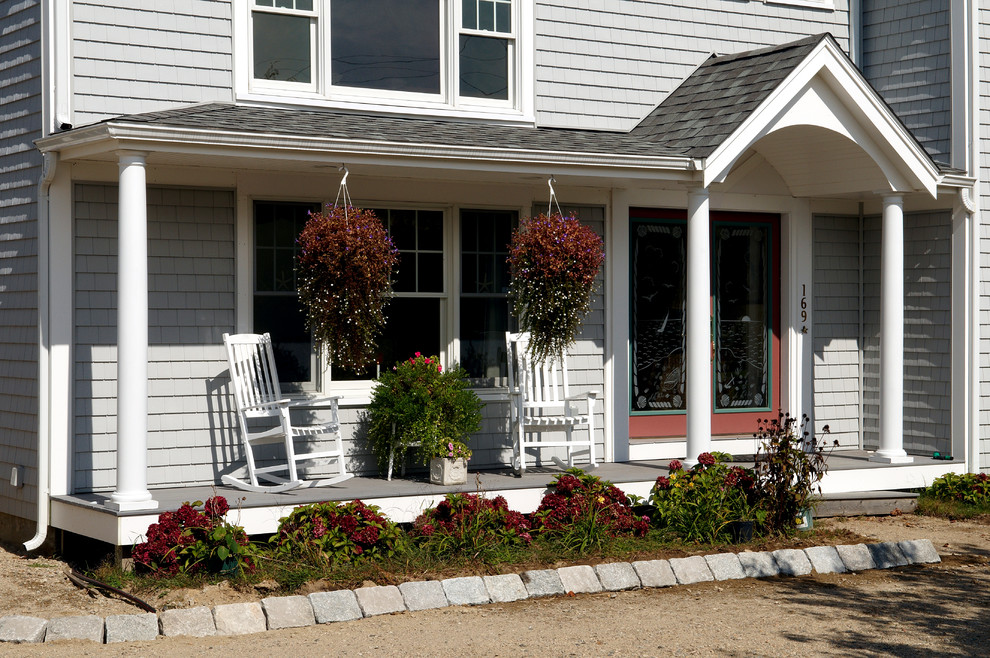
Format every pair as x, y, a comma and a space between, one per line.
107, 137
846, 81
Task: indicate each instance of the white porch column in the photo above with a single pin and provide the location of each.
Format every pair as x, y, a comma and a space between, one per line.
892, 334
132, 338
698, 328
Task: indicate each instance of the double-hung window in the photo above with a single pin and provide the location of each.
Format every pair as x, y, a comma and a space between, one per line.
455, 54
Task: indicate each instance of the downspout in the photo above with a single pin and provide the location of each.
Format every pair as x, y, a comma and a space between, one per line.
862, 328
968, 202
44, 353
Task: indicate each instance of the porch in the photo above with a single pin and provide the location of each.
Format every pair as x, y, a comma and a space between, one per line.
402, 499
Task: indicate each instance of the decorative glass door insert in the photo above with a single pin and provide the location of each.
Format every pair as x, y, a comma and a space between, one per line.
745, 321
741, 278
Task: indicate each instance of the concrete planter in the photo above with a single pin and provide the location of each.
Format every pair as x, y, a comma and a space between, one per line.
447, 471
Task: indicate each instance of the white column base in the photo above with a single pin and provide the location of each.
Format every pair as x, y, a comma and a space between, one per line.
129, 505
892, 457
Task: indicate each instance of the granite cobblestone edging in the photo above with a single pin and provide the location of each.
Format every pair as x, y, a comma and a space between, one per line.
348, 605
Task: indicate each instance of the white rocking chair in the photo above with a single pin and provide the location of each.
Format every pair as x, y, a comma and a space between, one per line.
259, 399
540, 401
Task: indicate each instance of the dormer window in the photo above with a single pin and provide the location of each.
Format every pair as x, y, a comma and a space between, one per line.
420, 53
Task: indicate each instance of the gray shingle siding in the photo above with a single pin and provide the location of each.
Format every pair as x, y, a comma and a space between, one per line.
191, 304
841, 344
138, 57
20, 169
604, 65
836, 328
927, 332
906, 56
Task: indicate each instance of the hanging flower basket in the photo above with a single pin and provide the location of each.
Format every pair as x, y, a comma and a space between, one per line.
554, 261
344, 273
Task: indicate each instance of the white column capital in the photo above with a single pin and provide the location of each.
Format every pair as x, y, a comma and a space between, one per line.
127, 156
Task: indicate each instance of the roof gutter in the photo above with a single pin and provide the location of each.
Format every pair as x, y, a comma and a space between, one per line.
104, 137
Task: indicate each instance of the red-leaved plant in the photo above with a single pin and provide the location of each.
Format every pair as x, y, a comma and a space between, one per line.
468, 524
554, 261
344, 274
584, 511
191, 541
332, 533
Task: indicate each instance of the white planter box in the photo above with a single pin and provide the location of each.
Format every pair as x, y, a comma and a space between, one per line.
447, 471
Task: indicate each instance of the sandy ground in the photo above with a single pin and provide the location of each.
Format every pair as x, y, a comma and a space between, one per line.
942, 609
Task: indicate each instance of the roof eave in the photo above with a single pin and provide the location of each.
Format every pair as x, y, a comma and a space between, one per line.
107, 137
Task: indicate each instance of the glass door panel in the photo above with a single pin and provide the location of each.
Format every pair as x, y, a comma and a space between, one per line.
741, 274
745, 321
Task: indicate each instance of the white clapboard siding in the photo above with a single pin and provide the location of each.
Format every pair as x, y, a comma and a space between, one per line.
130, 57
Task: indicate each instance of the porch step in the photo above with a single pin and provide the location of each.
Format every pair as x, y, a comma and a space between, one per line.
866, 503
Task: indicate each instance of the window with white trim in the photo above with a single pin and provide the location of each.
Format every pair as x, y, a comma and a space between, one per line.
454, 53
423, 316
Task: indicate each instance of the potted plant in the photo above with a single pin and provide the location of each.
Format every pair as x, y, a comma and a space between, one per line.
450, 465
344, 272
420, 405
553, 261
789, 469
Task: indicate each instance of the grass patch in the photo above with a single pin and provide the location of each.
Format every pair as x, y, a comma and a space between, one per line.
952, 509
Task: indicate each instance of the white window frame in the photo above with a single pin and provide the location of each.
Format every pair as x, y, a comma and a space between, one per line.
359, 390
518, 108
315, 53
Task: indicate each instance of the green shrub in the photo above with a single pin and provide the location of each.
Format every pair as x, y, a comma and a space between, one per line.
331, 533
471, 525
969, 488
189, 541
419, 402
583, 512
699, 503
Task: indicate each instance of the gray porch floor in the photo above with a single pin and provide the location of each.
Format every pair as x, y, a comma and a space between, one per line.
417, 485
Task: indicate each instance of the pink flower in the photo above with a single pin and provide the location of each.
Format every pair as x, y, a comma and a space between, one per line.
706, 458
418, 354
674, 465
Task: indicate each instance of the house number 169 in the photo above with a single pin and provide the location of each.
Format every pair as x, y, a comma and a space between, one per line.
804, 307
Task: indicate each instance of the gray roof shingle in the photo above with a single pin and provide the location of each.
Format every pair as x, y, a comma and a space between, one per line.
721, 93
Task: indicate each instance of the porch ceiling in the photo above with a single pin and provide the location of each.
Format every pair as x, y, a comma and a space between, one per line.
825, 165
